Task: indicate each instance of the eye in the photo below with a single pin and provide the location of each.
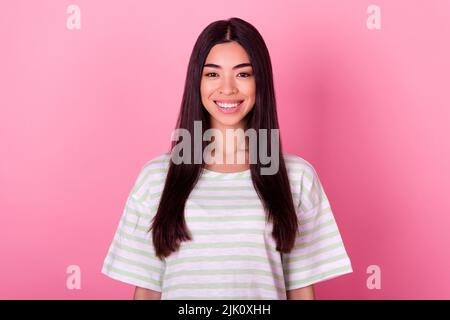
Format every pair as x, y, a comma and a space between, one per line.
246, 74
209, 74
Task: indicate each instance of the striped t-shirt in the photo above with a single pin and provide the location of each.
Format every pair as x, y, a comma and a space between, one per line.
232, 254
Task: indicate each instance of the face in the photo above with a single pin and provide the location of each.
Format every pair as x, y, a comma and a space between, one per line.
228, 85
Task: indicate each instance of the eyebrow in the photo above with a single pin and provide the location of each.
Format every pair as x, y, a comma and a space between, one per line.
242, 65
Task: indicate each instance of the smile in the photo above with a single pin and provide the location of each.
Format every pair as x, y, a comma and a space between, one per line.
228, 104
228, 107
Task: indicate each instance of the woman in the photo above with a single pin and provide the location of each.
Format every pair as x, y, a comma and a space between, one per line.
215, 230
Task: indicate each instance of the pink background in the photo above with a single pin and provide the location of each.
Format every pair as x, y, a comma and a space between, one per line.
83, 110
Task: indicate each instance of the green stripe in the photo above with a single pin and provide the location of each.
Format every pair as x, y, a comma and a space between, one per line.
317, 206
223, 258
221, 298
321, 213
316, 240
294, 184
200, 286
126, 248
221, 245
223, 272
135, 226
138, 213
204, 218
109, 268
161, 158
194, 206
317, 228
140, 182
256, 231
145, 266
225, 188
295, 195
157, 170
226, 218
315, 265
219, 197
290, 258
128, 236
225, 231
224, 197
320, 276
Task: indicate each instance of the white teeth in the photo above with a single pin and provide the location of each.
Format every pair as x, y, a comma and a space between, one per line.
227, 105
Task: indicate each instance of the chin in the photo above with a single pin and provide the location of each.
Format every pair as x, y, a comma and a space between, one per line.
229, 122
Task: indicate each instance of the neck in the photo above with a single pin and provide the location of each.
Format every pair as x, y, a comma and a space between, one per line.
231, 142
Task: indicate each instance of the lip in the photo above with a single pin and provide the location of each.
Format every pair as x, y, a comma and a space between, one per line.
229, 110
229, 101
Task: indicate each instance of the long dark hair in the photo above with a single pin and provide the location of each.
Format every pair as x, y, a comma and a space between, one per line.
169, 225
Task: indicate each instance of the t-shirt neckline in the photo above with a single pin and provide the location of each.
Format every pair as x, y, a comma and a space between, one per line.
218, 173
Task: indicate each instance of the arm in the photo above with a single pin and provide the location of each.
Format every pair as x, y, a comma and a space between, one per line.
305, 293
146, 294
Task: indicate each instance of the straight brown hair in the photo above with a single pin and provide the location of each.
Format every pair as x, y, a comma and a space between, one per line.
169, 225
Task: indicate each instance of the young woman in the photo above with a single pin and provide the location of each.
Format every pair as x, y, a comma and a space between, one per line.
220, 230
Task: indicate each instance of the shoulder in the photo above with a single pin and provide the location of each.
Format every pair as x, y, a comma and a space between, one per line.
151, 173
298, 166
305, 181
160, 161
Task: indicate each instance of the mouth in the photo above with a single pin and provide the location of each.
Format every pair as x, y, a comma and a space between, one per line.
228, 106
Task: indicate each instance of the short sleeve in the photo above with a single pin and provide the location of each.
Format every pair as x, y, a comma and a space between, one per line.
319, 253
131, 257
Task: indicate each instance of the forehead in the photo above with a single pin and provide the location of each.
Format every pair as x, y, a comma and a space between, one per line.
227, 54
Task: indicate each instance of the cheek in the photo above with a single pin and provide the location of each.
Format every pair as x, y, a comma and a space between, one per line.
249, 90
206, 92
206, 89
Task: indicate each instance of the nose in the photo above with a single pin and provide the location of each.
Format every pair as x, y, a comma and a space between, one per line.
228, 86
